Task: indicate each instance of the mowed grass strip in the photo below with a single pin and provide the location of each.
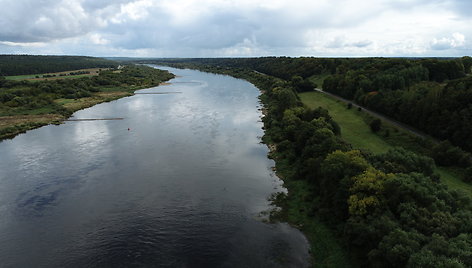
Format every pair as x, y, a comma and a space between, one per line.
453, 181
57, 75
356, 131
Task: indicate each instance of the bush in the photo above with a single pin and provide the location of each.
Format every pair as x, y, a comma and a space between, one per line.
446, 154
399, 160
468, 175
375, 125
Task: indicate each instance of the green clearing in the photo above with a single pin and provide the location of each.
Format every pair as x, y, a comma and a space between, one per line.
21, 77
356, 131
452, 179
24, 111
33, 78
318, 79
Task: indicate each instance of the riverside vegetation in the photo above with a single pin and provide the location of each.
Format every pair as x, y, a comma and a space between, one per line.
387, 209
433, 95
26, 104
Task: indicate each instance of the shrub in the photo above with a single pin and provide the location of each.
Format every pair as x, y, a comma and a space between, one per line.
375, 125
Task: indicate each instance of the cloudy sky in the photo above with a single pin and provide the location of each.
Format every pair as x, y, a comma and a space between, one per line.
236, 28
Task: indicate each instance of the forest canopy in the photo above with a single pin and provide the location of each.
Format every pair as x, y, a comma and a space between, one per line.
29, 64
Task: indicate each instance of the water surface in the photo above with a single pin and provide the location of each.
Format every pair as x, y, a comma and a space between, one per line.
183, 187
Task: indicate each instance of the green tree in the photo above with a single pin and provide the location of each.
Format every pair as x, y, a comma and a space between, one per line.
335, 180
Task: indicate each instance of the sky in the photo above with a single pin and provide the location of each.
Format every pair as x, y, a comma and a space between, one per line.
237, 28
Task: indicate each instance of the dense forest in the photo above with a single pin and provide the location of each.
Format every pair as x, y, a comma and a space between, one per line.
28, 64
390, 209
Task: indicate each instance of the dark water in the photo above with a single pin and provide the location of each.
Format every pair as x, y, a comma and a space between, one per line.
184, 187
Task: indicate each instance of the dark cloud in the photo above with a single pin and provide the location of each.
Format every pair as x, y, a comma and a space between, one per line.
93, 5
363, 43
46, 20
462, 7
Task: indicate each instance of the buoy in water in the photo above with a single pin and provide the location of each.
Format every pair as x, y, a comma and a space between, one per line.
128, 129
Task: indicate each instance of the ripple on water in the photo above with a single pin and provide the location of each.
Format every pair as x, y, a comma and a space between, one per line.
182, 188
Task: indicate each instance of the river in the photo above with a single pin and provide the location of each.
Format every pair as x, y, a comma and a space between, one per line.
181, 181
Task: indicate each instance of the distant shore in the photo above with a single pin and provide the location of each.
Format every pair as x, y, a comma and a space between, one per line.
13, 125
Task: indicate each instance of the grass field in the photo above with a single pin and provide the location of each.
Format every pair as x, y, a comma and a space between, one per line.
78, 104
22, 77
66, 75
356, 131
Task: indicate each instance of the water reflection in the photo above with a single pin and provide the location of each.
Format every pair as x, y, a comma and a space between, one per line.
183, 187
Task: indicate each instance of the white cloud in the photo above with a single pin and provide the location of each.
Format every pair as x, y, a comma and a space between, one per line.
202, 28
15, 44
457, 40
97, 39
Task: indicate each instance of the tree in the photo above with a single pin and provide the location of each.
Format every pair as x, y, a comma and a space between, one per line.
335, 180
399, 160
396, 248
300, 84
366, 192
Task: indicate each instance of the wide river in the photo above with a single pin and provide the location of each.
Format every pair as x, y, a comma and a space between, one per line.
181, 181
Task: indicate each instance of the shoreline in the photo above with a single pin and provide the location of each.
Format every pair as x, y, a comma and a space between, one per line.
14, 125
326, 248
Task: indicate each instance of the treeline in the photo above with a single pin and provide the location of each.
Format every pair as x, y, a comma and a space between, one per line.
297, 70
31, 64
390, 209
22, 96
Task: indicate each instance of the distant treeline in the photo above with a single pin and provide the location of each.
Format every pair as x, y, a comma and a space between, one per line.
29, 64
390, 209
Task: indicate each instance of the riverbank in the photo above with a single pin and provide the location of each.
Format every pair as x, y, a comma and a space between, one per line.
18, 120
297, 207
11, 126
